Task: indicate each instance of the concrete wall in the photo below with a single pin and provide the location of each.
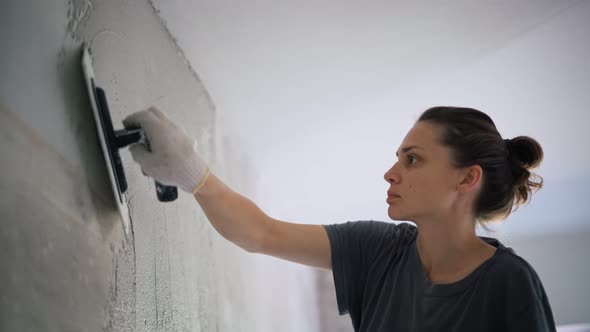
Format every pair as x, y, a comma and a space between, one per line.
66, 265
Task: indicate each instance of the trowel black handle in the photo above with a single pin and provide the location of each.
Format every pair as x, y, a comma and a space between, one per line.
137, 135
166, 193
120, 139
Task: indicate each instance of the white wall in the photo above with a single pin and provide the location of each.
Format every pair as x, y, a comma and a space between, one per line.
65, 263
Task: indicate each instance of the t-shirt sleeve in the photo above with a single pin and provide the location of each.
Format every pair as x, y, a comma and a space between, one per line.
354, 245
527, 304
536, 316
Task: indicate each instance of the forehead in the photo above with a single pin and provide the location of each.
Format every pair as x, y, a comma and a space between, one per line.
424, 135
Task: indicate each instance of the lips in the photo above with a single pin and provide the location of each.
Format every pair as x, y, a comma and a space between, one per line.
391, 196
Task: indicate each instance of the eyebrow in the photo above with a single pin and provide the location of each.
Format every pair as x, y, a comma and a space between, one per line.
408, 148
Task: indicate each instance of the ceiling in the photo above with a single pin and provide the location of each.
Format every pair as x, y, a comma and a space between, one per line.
318, 95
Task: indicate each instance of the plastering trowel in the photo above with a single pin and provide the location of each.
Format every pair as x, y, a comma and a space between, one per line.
112, 140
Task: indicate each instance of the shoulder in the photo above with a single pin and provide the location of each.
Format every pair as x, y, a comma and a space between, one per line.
518, 294
373, 229
370, 237
515, 278
507, 264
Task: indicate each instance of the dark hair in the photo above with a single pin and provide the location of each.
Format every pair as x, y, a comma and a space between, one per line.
473, 139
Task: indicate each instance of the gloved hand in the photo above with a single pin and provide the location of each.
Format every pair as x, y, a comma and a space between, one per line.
173, 159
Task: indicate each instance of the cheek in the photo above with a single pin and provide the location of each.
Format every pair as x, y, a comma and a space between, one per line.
436, 191
425, 188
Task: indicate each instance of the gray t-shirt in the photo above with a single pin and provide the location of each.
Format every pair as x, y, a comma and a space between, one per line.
381, 283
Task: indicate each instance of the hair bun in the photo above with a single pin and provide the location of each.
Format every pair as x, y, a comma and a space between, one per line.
525, 151
524, 154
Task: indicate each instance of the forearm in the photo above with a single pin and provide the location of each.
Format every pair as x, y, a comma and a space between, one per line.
234, 216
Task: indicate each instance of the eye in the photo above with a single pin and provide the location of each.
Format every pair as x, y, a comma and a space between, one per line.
410, 157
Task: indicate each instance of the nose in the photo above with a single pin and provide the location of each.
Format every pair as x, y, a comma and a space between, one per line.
391, 176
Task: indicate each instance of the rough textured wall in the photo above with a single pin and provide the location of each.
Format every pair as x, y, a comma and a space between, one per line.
66, 265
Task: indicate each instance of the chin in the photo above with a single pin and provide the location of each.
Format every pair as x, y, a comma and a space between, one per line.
398, 218
394, 215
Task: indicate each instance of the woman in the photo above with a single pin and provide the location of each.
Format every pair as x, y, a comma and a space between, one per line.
454, 171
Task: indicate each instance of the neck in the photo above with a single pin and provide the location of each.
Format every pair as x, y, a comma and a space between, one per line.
449, 248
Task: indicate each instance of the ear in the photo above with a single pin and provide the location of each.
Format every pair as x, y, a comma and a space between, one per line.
471, 179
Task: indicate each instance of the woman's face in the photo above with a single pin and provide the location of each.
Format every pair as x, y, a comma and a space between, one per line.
422, 177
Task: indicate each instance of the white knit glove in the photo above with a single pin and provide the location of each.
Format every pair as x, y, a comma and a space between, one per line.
172, 159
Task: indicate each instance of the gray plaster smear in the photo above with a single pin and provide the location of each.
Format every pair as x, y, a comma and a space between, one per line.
66, 264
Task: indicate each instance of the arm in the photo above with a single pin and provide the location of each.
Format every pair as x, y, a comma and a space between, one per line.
174, 160
242, 222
